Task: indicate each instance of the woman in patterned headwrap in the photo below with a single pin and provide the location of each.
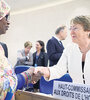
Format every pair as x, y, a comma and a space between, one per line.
8, 80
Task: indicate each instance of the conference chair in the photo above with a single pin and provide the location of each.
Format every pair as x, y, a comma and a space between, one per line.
47, 86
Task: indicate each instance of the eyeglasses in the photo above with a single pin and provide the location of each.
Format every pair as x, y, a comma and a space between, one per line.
7, 17
73, 28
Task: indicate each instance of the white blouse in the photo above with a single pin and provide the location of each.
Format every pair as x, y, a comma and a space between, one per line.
71, 60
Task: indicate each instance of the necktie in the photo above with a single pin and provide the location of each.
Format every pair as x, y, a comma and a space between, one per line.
60, 42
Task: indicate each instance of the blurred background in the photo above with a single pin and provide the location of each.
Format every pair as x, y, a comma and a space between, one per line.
38, 19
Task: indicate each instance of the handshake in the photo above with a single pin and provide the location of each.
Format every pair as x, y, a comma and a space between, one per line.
32, 75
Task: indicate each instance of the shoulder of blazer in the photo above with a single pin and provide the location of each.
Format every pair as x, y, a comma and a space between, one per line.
54, 40
44, 54
34, 56
21, 51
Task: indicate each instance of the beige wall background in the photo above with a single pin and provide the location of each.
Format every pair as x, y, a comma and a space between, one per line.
41, 25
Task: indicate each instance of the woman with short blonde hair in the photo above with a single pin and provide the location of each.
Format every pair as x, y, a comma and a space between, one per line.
24, 56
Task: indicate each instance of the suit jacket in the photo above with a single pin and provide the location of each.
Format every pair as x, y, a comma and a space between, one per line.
5, 48
42, 59
54, 51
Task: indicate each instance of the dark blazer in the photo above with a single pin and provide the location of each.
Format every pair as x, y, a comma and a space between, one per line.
5, 48
42, 59
54, 51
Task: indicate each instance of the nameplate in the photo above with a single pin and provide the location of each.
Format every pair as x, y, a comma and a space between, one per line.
71, 91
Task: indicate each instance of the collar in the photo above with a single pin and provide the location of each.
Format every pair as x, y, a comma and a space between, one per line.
57, 38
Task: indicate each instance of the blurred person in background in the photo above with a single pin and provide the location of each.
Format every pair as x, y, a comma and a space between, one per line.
24, 56
40, 58
54, 45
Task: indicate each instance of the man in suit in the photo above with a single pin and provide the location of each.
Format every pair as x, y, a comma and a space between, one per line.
54, 45
5, 48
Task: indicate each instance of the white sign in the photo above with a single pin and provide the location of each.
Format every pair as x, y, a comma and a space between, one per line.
71, 91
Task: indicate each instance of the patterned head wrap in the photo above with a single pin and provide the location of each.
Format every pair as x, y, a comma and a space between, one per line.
4, 9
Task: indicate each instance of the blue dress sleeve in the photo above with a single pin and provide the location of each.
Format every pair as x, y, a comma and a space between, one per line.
21, 81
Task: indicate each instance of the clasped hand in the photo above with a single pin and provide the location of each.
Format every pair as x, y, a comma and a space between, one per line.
35, 74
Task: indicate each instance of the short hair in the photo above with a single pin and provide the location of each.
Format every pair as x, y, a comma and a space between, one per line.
59, 29
28, 44
84, 21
